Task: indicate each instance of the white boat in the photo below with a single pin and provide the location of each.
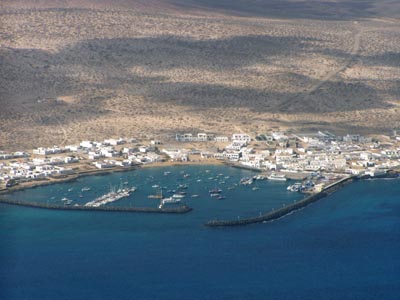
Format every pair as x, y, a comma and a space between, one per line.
194, 196
295, 187
110, 197
259, 177
170, 200
178, 196
84, 189
246, 181
277, 177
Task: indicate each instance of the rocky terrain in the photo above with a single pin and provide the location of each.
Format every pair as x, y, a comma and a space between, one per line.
73, 70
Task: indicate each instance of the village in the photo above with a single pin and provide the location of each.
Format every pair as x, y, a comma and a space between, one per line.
280, 155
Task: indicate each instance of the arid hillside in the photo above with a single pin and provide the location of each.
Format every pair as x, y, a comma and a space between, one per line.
72, 70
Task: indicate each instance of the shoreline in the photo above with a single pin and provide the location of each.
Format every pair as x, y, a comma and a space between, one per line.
100, 172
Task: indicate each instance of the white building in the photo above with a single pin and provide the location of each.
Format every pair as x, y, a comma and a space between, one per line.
86, 144
241, 137
176, 154
103, 164
222, 139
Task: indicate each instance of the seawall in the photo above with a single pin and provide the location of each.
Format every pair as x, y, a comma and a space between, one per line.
279, 213
171, 210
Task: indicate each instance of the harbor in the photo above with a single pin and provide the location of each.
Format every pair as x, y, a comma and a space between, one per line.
220, 190
279, 213
207, 189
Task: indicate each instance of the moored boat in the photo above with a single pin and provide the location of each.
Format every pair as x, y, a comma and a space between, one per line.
277, 177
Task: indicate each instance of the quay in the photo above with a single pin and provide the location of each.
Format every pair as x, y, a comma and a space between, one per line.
168, 210
279, 213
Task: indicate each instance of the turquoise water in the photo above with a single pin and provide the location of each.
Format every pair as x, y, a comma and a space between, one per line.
343, 247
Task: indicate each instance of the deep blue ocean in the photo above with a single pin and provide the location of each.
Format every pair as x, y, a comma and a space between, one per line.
346, 246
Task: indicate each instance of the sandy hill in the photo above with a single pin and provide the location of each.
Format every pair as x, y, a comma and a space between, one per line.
71, 70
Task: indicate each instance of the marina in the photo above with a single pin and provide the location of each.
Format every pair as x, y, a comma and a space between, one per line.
112, 196
155, 190
148, 193
137, 230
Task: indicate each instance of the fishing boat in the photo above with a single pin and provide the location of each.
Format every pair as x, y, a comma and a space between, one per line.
277, 177
178, 196
69, 202
246, 181
215, 191
182, 186
169, 200
295, 187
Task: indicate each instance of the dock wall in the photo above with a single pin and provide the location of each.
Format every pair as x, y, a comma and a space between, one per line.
171, 210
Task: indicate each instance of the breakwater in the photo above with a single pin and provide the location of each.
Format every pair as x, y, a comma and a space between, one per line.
279, 213
172, 210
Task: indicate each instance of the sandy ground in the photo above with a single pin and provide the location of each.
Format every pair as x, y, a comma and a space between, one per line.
69, 73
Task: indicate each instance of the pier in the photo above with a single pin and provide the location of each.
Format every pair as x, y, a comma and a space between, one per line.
168, 210
279, 213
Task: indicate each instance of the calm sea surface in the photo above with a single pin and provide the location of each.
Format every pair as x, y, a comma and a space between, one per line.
345, 246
